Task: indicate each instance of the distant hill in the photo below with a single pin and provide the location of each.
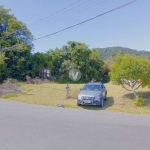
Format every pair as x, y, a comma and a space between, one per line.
112, 51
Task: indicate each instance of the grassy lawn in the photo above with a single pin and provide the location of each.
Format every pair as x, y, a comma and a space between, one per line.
52, 94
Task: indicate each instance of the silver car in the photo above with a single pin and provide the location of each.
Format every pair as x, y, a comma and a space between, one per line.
92, 94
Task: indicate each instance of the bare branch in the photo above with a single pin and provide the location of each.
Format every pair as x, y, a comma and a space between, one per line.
125, 87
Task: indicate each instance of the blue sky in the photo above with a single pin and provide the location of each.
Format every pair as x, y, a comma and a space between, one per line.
127, 27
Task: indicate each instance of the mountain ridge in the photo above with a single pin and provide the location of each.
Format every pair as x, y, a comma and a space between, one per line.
108, 52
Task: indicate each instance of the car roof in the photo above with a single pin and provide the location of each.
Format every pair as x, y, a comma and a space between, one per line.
94, 83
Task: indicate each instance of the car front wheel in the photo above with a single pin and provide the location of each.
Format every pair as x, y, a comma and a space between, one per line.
102, 103
78, 104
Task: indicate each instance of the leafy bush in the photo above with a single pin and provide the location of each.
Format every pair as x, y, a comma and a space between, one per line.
106, 79
10, 80
138, 101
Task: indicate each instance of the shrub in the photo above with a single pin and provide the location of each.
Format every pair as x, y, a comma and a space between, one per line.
10, 80
138, 101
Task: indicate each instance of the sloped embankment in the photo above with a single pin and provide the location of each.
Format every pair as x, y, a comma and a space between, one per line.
8, 88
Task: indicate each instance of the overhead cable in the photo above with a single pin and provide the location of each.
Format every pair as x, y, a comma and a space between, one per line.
117, 8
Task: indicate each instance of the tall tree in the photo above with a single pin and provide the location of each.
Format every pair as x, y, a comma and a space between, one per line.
41, 60
13, 32
57, 57
2, 65
131, 70
16, 41
76, 55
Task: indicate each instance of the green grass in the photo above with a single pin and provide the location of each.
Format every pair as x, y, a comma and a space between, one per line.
52, 94
8, 96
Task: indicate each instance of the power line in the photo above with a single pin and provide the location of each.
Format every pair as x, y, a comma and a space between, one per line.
77, 6
122, 6
59, 14
56, 20
54, 13
42, 19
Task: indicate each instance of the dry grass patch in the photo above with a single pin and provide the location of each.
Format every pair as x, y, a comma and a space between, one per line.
52, 94
123, 100
48, 94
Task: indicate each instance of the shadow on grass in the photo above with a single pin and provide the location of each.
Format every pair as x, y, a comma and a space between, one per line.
108, 103
144, 94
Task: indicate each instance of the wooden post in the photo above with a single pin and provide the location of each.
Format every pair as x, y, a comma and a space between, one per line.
67, 91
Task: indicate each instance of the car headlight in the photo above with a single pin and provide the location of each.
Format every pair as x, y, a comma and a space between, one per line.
79, 97
97, 98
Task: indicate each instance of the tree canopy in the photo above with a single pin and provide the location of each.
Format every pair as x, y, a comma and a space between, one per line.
76, 55
131, 69
16, 42
13, 32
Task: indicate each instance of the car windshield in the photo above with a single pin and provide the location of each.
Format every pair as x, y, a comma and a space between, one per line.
92, 87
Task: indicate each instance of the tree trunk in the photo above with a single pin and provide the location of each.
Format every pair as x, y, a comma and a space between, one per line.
134, 92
